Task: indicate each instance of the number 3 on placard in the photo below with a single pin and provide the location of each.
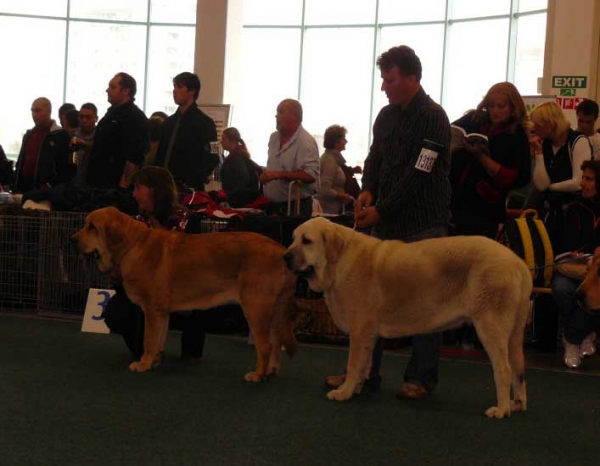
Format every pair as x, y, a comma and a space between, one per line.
105, 295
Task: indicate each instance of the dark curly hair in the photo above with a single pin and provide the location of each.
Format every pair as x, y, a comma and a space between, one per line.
593, 165
404, 58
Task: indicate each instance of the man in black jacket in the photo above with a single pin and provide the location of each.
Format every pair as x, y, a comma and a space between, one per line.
121, 138
44, 159
188, 145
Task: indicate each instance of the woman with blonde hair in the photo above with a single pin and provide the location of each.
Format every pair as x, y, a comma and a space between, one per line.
483, 174
239, 174
559, 152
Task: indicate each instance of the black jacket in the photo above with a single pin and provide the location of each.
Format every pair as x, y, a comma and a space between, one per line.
54, 165
121, 136
192, 160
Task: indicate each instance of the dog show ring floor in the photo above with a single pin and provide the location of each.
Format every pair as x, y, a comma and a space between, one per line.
68, 398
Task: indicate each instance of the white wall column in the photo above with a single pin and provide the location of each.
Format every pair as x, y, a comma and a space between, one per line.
209, 58
572, 47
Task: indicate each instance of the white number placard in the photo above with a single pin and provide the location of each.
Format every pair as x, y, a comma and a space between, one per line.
96, 302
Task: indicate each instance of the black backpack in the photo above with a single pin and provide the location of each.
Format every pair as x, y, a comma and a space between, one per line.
527, 237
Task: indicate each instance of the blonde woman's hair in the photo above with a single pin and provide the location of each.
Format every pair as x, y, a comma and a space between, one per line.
233, 134
550, 112
518, 112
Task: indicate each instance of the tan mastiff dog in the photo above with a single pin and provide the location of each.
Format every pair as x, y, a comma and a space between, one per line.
165, 271
387, 289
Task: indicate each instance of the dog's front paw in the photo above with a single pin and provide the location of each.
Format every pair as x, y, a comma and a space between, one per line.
253, 377
138, 366
496, 412
339, 394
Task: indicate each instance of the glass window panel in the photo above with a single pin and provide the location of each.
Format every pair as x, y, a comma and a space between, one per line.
339, 12
428, 43
37, 71
96, 53
273, 12
270, 64
408, 11
532, 5
476, 8
171, 53
35, 7
173, 11
110, 10
529, 56
474, 65
336, 83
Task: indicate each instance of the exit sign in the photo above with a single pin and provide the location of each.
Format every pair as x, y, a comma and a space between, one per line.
573, 82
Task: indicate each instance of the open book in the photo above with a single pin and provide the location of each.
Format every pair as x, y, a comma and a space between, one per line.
460, 138
569, 255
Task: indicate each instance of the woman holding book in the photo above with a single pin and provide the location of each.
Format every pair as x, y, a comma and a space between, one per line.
482, 173
559, 152
582, 235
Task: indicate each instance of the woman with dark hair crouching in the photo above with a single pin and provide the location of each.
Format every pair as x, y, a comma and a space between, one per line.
581, 236
156, 195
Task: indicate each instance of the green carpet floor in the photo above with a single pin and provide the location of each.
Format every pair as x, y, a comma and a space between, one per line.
67, 398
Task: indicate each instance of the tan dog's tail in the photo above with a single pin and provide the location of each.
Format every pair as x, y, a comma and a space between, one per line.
285, 319
290, 343
287, 329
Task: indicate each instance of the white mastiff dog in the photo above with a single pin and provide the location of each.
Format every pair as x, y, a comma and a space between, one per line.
379, 288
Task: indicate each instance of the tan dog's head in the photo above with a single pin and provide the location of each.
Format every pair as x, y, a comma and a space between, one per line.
588, 292
101, 236
318, 245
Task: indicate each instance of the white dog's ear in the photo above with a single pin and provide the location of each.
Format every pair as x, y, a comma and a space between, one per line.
334, 243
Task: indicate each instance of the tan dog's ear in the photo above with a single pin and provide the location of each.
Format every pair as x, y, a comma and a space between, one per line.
597, 252
113, 233
334, 243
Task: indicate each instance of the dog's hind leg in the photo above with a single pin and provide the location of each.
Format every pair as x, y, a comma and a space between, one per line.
517, 359
259, 322
156, 327
496, 345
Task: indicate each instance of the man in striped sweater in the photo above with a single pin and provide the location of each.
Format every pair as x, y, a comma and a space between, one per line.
406, 192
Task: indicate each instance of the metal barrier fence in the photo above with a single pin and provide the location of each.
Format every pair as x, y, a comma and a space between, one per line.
40, 269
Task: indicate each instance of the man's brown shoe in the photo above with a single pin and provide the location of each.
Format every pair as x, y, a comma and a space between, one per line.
412, 391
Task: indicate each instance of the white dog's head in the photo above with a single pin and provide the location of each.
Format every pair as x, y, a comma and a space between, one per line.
317, 247
101, 236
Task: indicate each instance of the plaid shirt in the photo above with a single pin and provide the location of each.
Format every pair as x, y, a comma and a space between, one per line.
410, 197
